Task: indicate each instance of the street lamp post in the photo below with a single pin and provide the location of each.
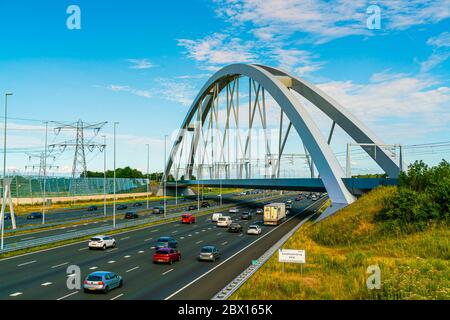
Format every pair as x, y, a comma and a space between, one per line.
44, 200
165, 175
148, 171
114, 202
104, 176
4, 166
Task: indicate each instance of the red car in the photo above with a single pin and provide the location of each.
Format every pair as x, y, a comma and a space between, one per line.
187, 218
166, 255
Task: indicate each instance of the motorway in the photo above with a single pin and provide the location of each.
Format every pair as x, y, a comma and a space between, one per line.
42, 275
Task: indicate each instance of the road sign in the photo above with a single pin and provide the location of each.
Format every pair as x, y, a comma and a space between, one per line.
291, 256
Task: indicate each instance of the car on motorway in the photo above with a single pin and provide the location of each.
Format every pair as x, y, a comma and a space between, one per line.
92, 208
158, 210
122, 207
224, 221
166, 255
34, 215
8, 216
288, 206
298, 199
193, 207
205, 204
166, 242
254, 229
235, 227
187, 218
131, 215
216, 216
209, 253
233, 210
103, 281
101, 242
247, 215
314, 198
137, 204
259, 211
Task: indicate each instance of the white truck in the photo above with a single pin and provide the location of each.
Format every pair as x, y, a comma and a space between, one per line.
274, 213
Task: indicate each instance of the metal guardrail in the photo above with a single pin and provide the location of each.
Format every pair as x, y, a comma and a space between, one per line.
234, 285
93, 231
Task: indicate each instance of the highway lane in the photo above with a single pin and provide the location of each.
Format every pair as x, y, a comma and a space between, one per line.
58, 230
42, 275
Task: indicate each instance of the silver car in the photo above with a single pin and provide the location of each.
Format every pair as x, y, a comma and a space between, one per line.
209, 253
103, 281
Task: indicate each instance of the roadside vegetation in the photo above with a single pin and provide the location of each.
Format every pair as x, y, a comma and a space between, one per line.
404, 230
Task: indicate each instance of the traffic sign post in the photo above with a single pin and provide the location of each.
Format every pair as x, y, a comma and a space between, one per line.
292, 256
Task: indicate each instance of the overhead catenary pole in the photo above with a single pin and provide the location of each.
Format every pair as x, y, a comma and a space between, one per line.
165, 175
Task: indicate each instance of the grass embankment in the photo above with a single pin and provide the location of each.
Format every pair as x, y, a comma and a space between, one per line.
414, 263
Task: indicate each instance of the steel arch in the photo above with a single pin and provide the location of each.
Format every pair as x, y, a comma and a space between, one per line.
326, 163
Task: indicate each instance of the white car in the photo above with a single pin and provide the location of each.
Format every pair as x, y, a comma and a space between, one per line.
216, 217
259, 211
233, 210
254, 229
224, 222
102, 242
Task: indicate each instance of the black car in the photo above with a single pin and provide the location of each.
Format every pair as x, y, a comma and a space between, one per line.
131, 215
92, 208
137, 204
205, 204
193, 207
235, 227
247, 215
162, 202
34, 215
166, 242
8, 216
122, 207
158, 210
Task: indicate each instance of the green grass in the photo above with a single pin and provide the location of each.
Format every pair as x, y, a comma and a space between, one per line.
341, 248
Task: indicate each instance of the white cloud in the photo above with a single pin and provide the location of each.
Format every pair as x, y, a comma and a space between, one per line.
217, 50
325, 21
181, 92
441, 52
442, 40
137, 92
140, 64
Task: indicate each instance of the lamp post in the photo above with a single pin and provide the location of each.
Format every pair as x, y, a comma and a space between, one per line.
4, 166
104, 175
148, 169
44, 200
114, 201
165, 175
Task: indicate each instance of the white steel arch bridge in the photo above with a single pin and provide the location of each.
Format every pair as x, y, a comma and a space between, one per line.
220, 109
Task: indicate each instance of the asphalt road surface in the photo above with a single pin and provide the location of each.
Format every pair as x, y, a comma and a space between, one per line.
42, 275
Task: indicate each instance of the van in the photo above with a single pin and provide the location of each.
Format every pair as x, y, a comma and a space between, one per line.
224, 221
216, 217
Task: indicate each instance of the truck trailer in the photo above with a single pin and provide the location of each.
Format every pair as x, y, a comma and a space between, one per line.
274, 213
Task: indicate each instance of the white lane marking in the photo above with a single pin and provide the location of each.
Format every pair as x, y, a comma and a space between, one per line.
241, 235
126, 257
71, 275
82, 249
198, 242
209, 228
126, 238
117, 297
66, 296
60, 265
135, 268
219, 233
154, 231
93, 268
149, 239
181, 238
113, 249
243, 249
197, 232
203, 230
174, 232
16, 294
26, 263
167, 272
23, 239
46, 284
111, 262
141, 251
189, 235
224, 243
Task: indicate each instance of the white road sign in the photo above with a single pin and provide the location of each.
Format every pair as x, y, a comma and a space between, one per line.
291, 256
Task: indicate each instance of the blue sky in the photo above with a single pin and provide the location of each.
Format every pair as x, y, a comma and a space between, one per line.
142, 62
